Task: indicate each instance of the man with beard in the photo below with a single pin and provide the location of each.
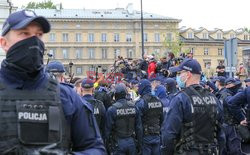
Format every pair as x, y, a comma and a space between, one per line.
38, 115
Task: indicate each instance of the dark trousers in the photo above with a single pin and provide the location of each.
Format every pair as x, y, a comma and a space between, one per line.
125, 146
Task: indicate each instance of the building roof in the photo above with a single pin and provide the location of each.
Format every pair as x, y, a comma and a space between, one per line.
209, 40
215, 30
118, 13
184, 29
225, 32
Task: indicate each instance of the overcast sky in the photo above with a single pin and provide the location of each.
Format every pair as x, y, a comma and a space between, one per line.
224, 14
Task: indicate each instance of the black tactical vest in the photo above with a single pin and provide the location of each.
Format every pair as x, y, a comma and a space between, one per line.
98, 106
32, 121
200, 134
153, 116
125, 120
228, 116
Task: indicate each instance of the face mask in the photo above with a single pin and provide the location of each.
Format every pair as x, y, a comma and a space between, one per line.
221, 73
153, 92
26, 55
181, 83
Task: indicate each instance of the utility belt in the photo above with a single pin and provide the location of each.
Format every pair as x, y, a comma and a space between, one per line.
46, 150
150, 132
231, 122
206, 149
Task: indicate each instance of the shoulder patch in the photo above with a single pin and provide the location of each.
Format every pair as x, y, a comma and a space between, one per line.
117, 105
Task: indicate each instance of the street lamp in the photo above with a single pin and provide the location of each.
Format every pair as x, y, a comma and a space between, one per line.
142, 32
70, 69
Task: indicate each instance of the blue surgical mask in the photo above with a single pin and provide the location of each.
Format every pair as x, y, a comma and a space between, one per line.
153, 92
180, 83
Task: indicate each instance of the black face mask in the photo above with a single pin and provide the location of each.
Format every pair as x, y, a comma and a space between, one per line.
26, 55
221, 73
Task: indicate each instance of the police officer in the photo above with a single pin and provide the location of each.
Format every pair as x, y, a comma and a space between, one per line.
192, 124
98, 107
171, 87
233, 143
120, 124
38, 115
160, 92
150, 117
57, 70
247, 82
102, 94
242, 99
220, 85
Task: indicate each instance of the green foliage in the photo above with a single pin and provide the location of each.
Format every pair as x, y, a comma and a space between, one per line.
247, 29
40, 5
173, 46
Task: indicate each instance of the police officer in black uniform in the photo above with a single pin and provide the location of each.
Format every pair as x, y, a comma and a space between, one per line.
233, 143
121, 124
98, 107
150, 117
192, 126
37, 114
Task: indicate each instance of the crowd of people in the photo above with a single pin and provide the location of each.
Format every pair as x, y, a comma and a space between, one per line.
167, 107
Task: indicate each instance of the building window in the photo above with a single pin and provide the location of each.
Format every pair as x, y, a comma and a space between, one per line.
52, 53
104, 53
78, 37
116, 37
205, 36
129, 37
130, 53
169, 37
190, 35
65, 37
157, 51
219, 36
245, 37
79, 70
192, 50
220, 51
65, 53
78, 53
116, 53
91, 37
92, 68
207, 64
145, 37
157, 37
232, 36
145, 51
104, 37
52, 37
91, 53
205, 51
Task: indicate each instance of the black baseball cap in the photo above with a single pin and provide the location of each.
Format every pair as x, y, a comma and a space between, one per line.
21, 19
191, 65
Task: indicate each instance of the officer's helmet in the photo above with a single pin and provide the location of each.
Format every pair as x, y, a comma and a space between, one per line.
120, 91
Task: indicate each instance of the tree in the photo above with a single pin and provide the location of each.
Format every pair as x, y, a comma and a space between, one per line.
173, 45
40, 5
247, 29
